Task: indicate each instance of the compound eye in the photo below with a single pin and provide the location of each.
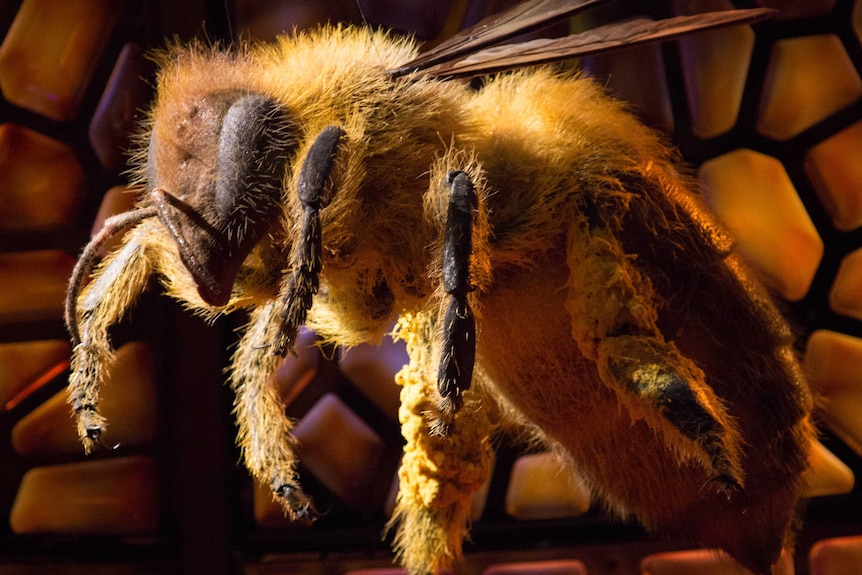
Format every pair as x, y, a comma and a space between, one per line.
217, 182
255, 144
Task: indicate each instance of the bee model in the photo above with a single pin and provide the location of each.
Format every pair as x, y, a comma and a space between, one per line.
550, 264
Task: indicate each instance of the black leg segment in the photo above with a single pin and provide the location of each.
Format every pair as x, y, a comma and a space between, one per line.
303, 282
458, 350
672, 396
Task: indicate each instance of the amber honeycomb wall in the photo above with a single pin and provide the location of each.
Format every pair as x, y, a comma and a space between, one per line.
770, 117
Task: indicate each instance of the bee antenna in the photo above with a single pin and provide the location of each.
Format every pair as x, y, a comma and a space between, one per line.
362, 14
90, 256
228, 15
368, 25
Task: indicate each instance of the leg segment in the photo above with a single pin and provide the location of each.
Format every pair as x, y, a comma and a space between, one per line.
303, 283
118, 282
614, 321
87, 261
458, 351
265, 433
438, 475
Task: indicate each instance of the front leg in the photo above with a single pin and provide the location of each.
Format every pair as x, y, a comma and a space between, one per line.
118, 282
265, 432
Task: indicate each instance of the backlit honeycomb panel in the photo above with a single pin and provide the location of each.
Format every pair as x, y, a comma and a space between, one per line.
753, 196
770, 118
715, 66
50, 51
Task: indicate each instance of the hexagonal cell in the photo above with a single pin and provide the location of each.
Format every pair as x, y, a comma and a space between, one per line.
50, 51
34, 284
844, 295
705, 562
834, 361
752, 195
128, 401
557, 567
339, 448
808, 79
836, 556
27, 366
833, 167
539, 488
116, 117
117, 495
827, 475
715, 66
298, 369
372, 369
43, 184
346, 465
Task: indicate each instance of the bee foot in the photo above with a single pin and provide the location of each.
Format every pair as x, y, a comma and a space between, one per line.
298, 505
94, 439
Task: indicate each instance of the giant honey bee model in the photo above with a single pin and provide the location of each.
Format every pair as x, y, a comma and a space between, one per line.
544, 253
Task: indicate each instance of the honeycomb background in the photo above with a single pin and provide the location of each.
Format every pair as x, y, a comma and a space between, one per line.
770, 116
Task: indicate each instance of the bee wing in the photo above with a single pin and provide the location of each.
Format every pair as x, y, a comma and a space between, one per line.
520, 19
602, 39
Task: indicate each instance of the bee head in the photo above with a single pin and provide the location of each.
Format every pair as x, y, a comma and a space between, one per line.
215, 169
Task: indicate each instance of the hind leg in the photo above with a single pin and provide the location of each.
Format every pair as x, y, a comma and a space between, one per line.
614, 321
